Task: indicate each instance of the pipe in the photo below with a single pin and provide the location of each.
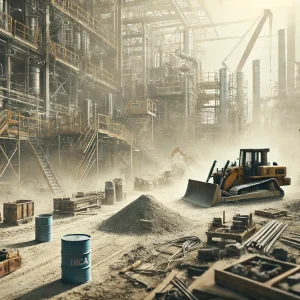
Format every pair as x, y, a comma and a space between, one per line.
199, 69
224, 94
281, 65
78, 41
1, 6
193, 59
240, 97
291, 55
187, 41
256, 92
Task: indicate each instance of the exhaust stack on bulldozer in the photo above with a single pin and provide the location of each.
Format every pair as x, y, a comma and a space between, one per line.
254, 178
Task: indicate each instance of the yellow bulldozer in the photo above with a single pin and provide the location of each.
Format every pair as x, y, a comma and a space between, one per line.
253, 178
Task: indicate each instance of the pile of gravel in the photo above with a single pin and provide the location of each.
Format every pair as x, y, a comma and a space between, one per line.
145, 216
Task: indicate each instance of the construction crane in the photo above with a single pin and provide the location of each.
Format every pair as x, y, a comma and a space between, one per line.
266, 15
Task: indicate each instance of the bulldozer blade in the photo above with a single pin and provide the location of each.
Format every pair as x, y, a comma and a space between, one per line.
202, 193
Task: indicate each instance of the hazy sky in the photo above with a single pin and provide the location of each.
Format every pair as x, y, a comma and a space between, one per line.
232, 10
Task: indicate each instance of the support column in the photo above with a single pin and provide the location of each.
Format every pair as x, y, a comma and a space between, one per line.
281, 65
256, 93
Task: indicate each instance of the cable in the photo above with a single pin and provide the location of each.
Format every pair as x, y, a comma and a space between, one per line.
186, 244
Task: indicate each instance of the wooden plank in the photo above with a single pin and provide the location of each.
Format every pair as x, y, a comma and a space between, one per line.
162, 286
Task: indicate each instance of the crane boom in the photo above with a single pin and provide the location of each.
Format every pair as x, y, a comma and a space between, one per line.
267, 14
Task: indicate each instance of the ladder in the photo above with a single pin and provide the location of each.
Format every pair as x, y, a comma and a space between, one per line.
45, 166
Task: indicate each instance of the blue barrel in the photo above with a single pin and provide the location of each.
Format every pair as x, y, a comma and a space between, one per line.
43, 228
76, 258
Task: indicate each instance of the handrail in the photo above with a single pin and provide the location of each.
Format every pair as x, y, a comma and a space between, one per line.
100, 74
27, 34
82, 15
64, 54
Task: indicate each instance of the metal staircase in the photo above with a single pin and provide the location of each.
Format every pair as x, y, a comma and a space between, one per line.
45, 166
86, 145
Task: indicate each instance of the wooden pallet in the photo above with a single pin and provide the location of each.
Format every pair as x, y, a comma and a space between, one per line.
271, 213
74, 206
76, 212
239, 237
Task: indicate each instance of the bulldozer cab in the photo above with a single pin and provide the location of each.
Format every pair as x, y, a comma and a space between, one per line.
250, 159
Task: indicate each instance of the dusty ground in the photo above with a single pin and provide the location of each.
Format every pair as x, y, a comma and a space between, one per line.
39, 277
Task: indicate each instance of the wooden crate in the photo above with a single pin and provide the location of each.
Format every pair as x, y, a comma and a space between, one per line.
257, 290
11, 264
18, 210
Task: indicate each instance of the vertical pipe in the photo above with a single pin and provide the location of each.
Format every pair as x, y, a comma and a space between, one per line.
19, 156
97, 153
187, 41
59, 148
120, 48
224, 94
131, 163
291, 55
47, 60
76, 92
256, 92
281, 65
240, 97
186, 100
1, 6
144, 59
8, 72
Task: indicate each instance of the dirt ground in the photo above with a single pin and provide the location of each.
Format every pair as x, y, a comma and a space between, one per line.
39, 277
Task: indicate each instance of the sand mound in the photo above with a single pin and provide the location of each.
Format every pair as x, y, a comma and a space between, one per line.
144, 216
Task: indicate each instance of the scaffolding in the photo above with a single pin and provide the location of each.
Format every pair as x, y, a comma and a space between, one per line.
82, 16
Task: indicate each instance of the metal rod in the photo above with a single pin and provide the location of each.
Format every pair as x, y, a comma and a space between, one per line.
211, 170
275, 238
262, 231
224, 173
248, 242
271, 235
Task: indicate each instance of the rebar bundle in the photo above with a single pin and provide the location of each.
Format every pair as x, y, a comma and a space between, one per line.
266, 237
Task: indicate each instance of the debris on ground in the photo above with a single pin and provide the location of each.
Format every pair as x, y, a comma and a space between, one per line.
271, 213
144, 216
293, 206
